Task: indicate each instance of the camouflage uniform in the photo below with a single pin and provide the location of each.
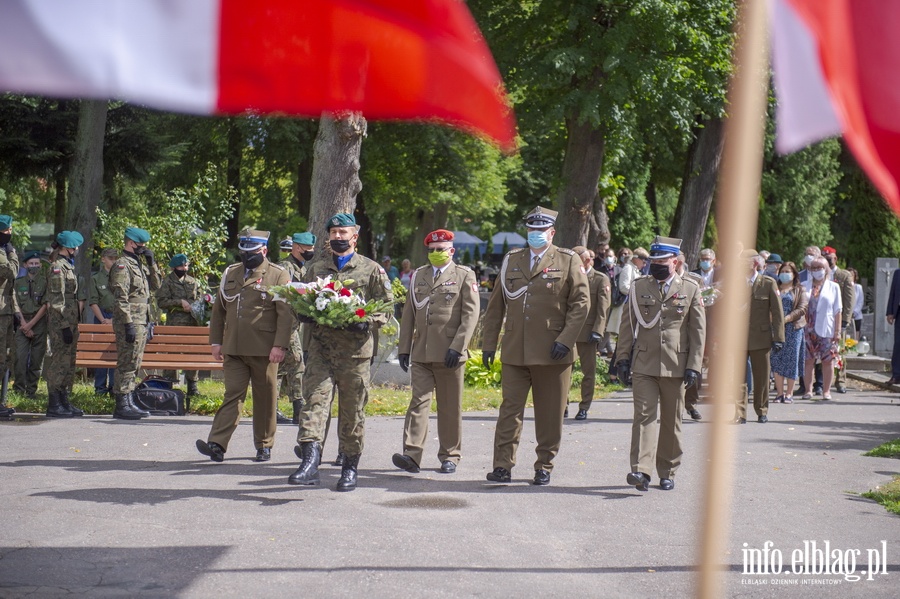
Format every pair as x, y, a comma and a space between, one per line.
9, 270
291, 370
62, 307
342, 357
131, 281
171, 292
101, 296
30, 351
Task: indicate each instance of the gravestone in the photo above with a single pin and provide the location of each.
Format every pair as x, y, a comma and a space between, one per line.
883, 341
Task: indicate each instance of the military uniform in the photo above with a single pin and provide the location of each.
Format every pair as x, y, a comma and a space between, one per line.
102, 296
171, 292
766, 328
291, 370
440, 314
661, 336
848, 298
9, 270
62, 307
544, 304
247, 323
30, 351
600, 298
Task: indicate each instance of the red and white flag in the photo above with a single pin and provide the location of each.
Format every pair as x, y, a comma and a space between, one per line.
389, 59
836, 65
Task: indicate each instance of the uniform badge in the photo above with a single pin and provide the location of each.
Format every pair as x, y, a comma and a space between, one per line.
264, 296
549, 285
475, 287
56, 271
448, 297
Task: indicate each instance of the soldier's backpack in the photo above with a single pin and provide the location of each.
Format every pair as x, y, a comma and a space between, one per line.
156, 395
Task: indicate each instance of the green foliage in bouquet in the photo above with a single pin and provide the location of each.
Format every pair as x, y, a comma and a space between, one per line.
330, 303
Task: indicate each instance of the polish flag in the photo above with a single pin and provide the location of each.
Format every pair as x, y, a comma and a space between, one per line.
389, 59
837, 66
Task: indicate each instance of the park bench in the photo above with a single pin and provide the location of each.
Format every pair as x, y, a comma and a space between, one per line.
172, 348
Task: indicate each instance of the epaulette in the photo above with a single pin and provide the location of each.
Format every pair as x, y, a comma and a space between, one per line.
566, 251
423, 267
692, 278
517, 250
278, 266
464, 267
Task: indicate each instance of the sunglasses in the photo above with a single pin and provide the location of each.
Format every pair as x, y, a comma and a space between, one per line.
433, 250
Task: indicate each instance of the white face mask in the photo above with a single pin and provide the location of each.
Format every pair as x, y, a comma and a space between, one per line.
808, 259
817, 274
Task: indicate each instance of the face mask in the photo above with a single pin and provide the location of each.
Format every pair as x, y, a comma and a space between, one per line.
771, 269
660, 272
139, 250
537, 239
34, 269
808, 259
251, 259
339, 246
610, 260
817, 274
180, 272
5, 238
307, 256
439, 258
705, 265
786, 277
831, 262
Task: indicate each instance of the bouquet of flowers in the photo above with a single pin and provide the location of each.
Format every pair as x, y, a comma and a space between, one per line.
201, 308
330, 303
709, 295
399, 291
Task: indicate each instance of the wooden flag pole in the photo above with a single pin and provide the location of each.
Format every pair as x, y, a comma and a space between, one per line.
736, 219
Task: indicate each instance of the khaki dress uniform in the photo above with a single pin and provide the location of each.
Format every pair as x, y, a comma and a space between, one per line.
62, 308
342, 358
131, 281
440, 314
601, 298
662, 334
291, 370
766, 328
848, 298
9, 270
541, 305
30, 351
247, 323
168, 297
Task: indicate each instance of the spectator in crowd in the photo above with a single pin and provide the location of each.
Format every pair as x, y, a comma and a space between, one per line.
391, 271
707, 268
893, 318
631, 269
848, 292
592, 331
811, 253
405, 272
823, 324
31, 338
773, 266
611, 269
859, 300
794, 302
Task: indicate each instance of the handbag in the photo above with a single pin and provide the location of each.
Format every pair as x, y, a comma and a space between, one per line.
156, 395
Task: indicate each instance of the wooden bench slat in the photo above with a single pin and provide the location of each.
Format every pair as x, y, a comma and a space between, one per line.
172, 348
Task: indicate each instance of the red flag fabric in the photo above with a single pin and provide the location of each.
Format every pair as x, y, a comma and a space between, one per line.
389, 59
838, 60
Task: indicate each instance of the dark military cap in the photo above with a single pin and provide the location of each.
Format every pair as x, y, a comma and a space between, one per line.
664, 247
137, 235
178, 260
342, 219
305, 238
69, 239
252, 239
286, 244
541, 218
32, 254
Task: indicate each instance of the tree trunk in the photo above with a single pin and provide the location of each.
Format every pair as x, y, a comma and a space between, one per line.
654, 205
698, 187
578, 193
366, 242
87, 180
304, 186
335, 173
59, 207
235, 155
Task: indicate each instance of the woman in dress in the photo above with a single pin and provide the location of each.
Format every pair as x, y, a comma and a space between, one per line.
823, 325
794, 302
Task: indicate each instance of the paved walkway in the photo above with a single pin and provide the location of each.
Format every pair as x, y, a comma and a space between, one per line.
101, 508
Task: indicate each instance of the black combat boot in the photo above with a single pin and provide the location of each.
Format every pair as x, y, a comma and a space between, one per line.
55, 408
130, 399
308, 472
123, 410
298, 407
64, 402
5, 410
348, 473
192, 389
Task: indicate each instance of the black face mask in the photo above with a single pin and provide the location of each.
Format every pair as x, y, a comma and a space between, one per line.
251, 259
339, 246
5, 238
307, 256
33, 269
139, 250
180, 272
660, 272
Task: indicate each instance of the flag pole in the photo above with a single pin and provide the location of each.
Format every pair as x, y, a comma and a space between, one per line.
736, 220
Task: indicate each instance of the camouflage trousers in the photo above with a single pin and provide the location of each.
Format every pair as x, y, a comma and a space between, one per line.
129, 356
6, 341
329, 367
290, 372
60, 372
30, 352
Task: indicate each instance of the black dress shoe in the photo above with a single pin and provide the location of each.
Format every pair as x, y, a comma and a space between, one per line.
894, 380
581, 415
695, 415
447, 467
404, 462
541, 477
840, 389
666, 484
263, 454
739, 421
566, 412
280, 418
215, 451
817, 389
500, 475
640, 480
762, 419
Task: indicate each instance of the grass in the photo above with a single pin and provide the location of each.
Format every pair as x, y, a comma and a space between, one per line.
891, 449
383, 401
887, 495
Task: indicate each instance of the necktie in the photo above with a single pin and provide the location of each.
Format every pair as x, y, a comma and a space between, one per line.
534, 262
662, 288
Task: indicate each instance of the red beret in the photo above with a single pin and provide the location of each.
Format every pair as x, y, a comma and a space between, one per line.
829, 250
439, 235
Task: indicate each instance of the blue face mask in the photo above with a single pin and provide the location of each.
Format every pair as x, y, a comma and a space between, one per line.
537, 239
705, 265
785, 277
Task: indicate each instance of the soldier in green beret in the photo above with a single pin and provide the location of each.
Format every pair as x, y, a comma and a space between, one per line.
175, 295
62, 304
101, 301
31, 338
9, 270
133, 277
302, 248
340, 357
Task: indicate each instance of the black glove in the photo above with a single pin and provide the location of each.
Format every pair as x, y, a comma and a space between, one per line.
623, 371
148, 256
487, 358
595, 338
451, 360
777, 346
558, 351
17, 320
9, 248
404, 362
305, 357
305, 319
358, 327
130, 333
67, 335
690, 378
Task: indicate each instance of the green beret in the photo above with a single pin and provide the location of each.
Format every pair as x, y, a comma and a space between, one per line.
341, 219
5, 222
137, 235
178, 260
69, 239
32, 254
304, 238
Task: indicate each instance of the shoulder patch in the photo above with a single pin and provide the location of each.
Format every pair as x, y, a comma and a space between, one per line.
382, 271
566, 251
120, 266
517, 250
56, 271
